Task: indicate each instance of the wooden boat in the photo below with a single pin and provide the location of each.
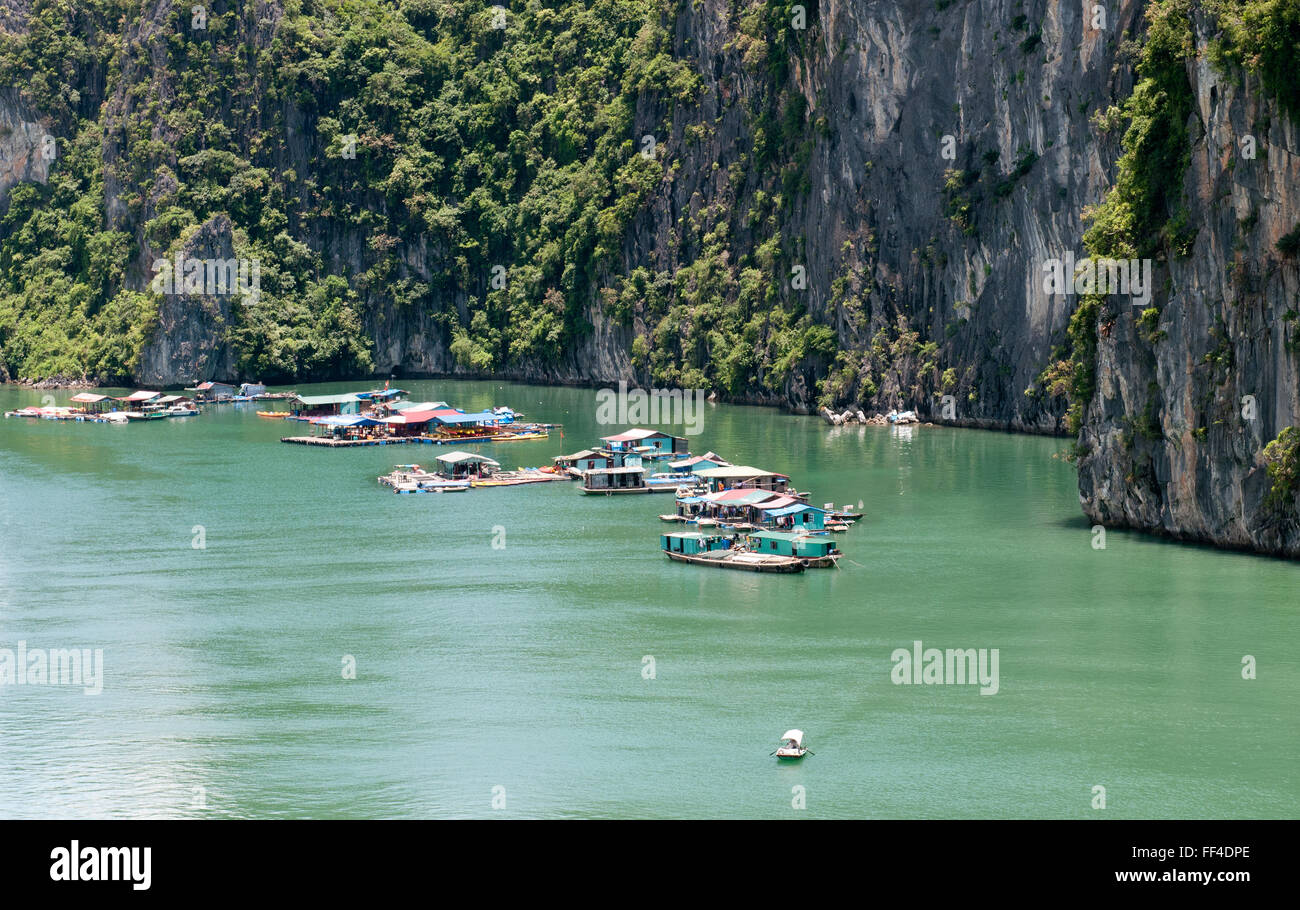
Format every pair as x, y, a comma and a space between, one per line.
180, 410
743, 560
673, 518
792, 746
146, 415
716, 550
522, 437
432, 486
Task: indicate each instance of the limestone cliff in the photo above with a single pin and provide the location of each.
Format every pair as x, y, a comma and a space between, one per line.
25, 152
1185, 404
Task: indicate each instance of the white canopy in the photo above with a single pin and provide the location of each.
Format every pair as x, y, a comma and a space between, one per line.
796, 735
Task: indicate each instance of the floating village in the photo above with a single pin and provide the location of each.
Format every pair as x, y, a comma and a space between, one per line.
725, 515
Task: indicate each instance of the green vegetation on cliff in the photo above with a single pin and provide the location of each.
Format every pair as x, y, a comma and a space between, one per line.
437, 132
1143, 214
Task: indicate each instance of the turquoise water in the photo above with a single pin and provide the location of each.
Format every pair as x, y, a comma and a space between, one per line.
523, 668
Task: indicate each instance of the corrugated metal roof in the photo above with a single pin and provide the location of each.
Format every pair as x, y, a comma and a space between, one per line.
346, 420
737, 471
456, 417
634, 434
418, 405
782, 535
410, 417
741, 496
462, 457
790, 510
317, 400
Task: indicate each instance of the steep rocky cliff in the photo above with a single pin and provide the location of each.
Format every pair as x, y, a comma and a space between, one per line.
1187, 399
951, 156
25, 153
191, 342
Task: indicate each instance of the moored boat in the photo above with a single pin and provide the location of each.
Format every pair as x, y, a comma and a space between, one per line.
716, 550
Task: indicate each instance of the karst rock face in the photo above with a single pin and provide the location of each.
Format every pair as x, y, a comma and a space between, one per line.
27, 146
953, 151
1215, 378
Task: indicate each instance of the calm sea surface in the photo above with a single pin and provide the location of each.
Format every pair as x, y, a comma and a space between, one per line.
520, 673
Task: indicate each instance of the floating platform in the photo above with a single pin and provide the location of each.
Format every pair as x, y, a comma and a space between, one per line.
331, 443
515, 478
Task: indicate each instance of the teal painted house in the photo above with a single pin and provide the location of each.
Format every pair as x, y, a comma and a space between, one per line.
820, 550
797, 517
693, 543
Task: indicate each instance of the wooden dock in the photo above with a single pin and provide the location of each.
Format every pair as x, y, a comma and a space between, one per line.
333, 443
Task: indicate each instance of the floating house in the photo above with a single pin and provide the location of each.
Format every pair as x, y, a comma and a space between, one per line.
690, 509
252, 389
213, 391
596, 460
458, 421
615, 480
90, 402
585, 460
735, 507
306, 406
399, 406
465, 466
649, 443
381, 396
814, 552
688, 465
347, 426
742, 477
693, 543
137, 399
409, 422
791, 516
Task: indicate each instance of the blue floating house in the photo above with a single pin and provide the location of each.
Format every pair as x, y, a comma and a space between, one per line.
820, 552
693, 543
797, 517
651, 443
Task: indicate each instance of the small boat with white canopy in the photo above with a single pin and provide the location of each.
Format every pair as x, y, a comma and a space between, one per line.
792, 746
